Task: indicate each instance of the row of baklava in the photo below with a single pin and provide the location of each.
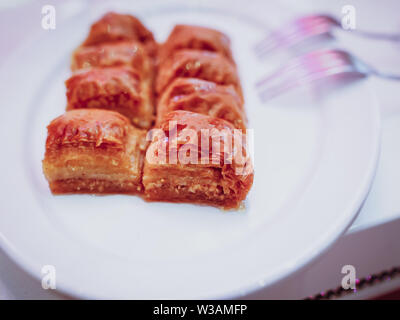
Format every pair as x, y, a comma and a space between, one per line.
197, 86
119, 74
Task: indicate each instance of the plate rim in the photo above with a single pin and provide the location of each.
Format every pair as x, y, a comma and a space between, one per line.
23, 262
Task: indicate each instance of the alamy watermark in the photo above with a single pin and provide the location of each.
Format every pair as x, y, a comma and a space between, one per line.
49, 277
213, 146
349, 280
349, 17
48, 17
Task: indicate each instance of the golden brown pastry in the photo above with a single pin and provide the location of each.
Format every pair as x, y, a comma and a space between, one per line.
119, 89
122, 53
93, 151
198, 152
196, 37
184, 164
116, 27
199, 64
203, 97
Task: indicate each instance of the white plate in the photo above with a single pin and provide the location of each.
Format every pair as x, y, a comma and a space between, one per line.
314, 162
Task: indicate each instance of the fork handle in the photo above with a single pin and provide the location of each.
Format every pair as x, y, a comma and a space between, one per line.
367, 69
384, 75
376, 35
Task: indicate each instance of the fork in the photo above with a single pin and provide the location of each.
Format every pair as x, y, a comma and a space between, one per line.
315, 66
306, 28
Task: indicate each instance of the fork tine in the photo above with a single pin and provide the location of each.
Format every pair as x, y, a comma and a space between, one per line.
282, 33
295, 32
304, 70
279, 39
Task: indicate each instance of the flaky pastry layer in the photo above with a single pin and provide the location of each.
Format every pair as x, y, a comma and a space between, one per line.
195, 37
119, 89
199, 64
121, 53
203, 97
96, 151
116, 27
211, 180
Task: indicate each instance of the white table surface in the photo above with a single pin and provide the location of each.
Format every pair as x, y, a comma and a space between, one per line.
383, 202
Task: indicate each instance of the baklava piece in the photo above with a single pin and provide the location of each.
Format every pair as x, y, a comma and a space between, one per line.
94, 151
203, 97
116, 27
195, 158
199, 64
122, 53
196, 37
119, 89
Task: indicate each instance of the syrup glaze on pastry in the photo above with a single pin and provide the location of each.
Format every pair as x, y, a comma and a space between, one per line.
199, 64
196, 37
116, 27
121, 53
210, 179
94, 148
203, 97
93, 151
119, 89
